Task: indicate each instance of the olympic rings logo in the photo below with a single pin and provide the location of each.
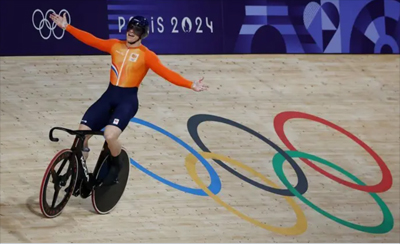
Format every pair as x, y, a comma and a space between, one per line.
278, 160
50, 26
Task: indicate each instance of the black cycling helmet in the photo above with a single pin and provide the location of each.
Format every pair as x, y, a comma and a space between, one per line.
140, 26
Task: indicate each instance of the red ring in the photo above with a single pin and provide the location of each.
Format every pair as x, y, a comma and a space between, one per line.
382, 186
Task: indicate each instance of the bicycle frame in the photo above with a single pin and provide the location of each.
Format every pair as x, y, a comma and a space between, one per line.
77, 151
77, 148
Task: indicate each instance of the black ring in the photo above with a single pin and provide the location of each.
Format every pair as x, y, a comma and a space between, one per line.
196, 120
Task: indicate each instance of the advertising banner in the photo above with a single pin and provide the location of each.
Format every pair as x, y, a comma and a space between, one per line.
207, 26
264, 26
26, 28
315, 26
176, 26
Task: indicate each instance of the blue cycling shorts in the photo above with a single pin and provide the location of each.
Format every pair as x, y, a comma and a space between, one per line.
115, 107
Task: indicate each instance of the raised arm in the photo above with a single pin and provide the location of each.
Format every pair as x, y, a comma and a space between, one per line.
154, 63
85, 37
91, 40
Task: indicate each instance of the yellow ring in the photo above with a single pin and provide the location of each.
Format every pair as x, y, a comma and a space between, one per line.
301, 224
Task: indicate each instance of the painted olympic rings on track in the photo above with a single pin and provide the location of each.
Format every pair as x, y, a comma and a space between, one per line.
384, 227
193, 124
280, 157
215, 185
301, 223
382, 186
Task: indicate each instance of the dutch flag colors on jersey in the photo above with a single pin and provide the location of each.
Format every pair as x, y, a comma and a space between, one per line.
129, 64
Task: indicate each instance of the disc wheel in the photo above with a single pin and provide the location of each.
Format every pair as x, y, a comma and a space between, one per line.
106, 198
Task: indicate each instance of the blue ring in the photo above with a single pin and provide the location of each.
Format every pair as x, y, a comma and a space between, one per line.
215, 185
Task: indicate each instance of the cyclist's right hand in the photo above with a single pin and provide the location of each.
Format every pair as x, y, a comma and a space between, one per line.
60, 21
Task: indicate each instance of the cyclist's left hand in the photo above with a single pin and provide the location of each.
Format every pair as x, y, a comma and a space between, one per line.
199, 86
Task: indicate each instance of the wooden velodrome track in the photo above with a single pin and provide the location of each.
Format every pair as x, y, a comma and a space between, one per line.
358, 93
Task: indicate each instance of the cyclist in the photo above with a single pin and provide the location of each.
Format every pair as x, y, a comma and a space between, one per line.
131, 61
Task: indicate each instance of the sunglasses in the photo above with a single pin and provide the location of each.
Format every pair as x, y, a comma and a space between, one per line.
136, 29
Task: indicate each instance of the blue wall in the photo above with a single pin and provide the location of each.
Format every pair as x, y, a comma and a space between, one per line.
208, 26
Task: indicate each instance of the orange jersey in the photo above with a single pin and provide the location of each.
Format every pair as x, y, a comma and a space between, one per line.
129, 65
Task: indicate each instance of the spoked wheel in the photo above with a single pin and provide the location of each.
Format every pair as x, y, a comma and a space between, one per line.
106, 198
58, 183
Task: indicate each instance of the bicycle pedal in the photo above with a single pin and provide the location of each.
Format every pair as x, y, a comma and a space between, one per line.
85, 193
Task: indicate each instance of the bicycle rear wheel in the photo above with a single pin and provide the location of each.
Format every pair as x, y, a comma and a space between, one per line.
106, 198
62, 168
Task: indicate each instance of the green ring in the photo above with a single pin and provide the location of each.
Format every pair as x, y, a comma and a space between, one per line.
384, 227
